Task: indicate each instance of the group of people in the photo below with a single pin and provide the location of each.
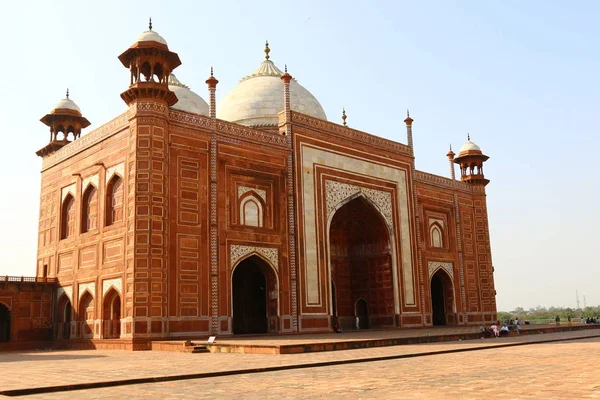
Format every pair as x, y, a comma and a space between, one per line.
496, 330
588, 320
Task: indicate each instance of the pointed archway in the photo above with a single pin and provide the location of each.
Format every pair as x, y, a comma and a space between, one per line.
111, 315
361, 266
4, 323
64, 317
442, 299
86, 315
255, 300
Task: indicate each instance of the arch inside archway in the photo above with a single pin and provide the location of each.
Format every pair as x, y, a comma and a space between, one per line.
64, 317
86, 313
255, 295
111, 316
5, 319
361, 265
442, 299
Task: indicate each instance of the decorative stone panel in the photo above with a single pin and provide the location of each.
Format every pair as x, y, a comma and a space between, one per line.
93, 179
68, 290
89, 286
66, 190
336, 192
245, 189
115, 169
237, 252
446, 266
117, 283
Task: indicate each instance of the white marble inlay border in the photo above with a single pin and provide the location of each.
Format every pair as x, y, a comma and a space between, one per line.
245, 189
116, 282
89, 286
446, 266
237, 252
311, 156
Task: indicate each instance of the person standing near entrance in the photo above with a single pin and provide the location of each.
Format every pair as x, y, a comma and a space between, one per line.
357, 322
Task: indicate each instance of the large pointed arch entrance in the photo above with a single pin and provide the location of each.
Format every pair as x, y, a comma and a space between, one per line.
361, 267
255, 297
442, 299
4, 323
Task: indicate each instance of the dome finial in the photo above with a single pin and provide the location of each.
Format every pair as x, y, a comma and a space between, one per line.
150, 24
285, 67
407, 113
469, 137
67, 93
344, 115
450, 146
267, 50
211, 70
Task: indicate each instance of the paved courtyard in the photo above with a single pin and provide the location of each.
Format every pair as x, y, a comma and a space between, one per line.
565, 369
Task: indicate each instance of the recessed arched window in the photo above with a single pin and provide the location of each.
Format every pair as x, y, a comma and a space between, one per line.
67, 217
114, 200
435, 233
89, 215
251, 211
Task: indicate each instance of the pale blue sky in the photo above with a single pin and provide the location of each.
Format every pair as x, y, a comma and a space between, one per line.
521, 77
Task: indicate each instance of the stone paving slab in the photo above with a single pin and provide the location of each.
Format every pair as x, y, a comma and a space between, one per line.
558, 370
25, 370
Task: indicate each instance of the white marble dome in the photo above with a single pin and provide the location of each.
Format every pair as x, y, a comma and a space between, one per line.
258, 99
469, 146
188, 101
150, 36
68, 104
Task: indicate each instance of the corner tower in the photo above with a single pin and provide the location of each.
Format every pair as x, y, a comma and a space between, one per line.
65, 117
150, 63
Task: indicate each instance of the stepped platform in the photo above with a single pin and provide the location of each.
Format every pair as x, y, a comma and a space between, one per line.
356, 339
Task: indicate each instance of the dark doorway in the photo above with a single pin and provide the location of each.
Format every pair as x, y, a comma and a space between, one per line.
437, 301
249, 298
361, 266
442, 299
64, 318
362, 312
4, 323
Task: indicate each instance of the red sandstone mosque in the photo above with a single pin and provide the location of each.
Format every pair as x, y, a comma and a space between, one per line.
182, 219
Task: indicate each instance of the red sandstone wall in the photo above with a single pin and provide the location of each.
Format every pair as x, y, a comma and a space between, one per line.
466, 246
30, 306
84, 258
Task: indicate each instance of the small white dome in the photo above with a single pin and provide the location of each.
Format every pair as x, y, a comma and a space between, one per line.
68, 104
188, 101
258, 99
150, 36
469, 146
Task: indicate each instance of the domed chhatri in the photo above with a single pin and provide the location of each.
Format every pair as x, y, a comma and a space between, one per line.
65, 118
471, 159
150, 63
258, 98
189, 101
